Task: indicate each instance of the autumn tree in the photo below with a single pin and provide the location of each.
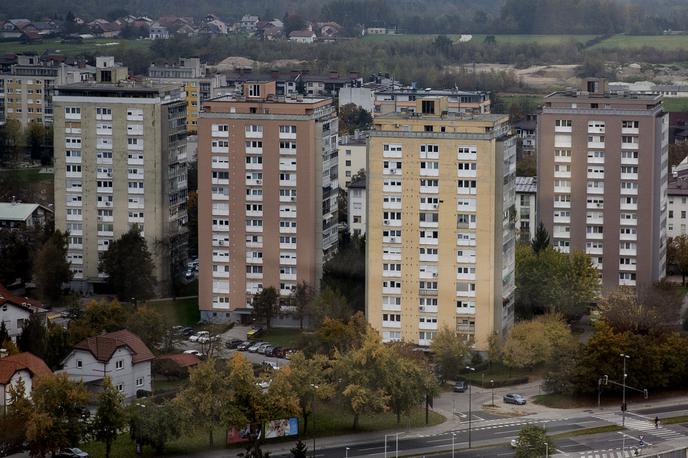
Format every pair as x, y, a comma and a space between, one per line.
304, 374
56, 420
155, 424
532, 342
266, 305
51, 269
450, 351
408, 379
642, 310
150, 325
110, 415
129, 266
98, 317
353, 118
329, 304
533, 442
204, 400
677, 255
360, 374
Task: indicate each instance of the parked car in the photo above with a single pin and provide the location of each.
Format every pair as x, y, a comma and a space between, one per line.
513, 398
460, 386
71, 452
233, 344
254, 348
187, 331
243, 346
204, 339
514, 443
254, 332
193, 352
196, 337
261, 349
271, 364
278, 352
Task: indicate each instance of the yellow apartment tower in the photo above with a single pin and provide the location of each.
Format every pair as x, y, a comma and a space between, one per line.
440, 225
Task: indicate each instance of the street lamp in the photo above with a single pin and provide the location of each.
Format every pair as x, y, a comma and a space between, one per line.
315, 388
453, 436
139, 445
492, 386
346, 453
623, 391
470, 405
546, 450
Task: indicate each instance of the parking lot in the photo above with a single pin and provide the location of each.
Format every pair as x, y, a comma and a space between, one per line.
220, 351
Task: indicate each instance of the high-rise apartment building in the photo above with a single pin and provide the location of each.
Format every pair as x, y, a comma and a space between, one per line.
26, 91
441, 235
268, 186
602, 180
120, 160
198, 84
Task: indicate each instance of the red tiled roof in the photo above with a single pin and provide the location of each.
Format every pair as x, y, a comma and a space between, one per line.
6, 297
103, 346
11, 364
182, 360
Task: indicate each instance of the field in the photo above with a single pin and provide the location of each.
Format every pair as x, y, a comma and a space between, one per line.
94, 46
501, 39
662, 42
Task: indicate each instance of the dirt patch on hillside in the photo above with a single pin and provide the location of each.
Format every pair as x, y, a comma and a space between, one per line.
543, 77
232, 63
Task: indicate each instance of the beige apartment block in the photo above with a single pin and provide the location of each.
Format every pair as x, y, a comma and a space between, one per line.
602, 180
440, 238
120, 160
352, 157
268, 187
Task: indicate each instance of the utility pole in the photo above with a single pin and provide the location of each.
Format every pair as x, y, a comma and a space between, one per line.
470, 404
623, 390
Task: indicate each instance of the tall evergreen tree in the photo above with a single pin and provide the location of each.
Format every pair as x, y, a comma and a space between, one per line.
541, 239
129, 266
33, 337
51, 269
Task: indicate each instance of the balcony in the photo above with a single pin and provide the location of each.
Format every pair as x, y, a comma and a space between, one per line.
630, 131
467, 173
467, 156
219, 180
428, 274
390, 290
258, 213
563, 129
391, 239
249, 182
594, 236
73, 116
291, 183
428, 241
562, 189
463, 191
595, 145
220, 165
391, 188
623, 282
596, 130
73, 160
220, 133
252, 260
391, 324
629, 145
628, 237
430, 326
429, 173
599, 220
220, 274
104, 204
463, 276
253, 134
463, 242
287, 167
427, 257
566, 160
109, 218
560, 219
565, 174
254, 276
629, 176
132, 161
220, 228
391, 256
627, 267
429, 224
595, 190
627, 206
73, 174
287, 135
288, 261
628, 252
287, 246
597, 251
630, 222
594, 161
216, 196
131, 147
288, 277
287, 230
254, 229
629, 191
391, 273
219, 149
288, 213
595, 175
135, 176
131, 190
249, 197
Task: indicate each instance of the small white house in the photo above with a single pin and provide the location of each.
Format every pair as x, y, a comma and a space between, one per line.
22, 366
158, 32
120, 355
302, 36
16, 310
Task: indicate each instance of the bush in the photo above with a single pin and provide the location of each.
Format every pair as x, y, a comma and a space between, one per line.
498, 382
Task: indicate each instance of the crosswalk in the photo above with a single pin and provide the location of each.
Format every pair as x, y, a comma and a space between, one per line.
609, 453
638, 423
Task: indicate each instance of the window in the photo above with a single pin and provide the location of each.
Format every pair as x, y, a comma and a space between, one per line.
139, 381
79, 363
120, 387
119, 364
563, 123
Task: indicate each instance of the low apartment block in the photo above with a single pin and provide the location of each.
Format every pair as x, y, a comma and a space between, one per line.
440, 225
268, 187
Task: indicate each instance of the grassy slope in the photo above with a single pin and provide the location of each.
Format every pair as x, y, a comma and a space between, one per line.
87, 46
182, 311
664, 42
511, 39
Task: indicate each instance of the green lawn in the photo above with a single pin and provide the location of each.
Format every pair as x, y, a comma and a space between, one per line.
501, 39
182, 312
500, 374
588, 431
663, 42
329, 421
674, 420
559, 401
96, 45
164, 385
675, 105
282, 337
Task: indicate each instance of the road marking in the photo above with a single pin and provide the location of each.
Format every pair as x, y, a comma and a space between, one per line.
371, 448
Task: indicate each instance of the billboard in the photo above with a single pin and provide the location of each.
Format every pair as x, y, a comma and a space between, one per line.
244, 434
282, 428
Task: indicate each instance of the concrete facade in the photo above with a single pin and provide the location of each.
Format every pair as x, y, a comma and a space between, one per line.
268, 188
602, 181
440, 226
120, 160
526, 208
357, 207
352, 157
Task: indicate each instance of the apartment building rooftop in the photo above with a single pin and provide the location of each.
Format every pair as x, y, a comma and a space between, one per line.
526, 185
447, 116
127, 89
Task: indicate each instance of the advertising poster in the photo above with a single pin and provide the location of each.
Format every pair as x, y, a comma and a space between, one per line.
282, 428
244, 434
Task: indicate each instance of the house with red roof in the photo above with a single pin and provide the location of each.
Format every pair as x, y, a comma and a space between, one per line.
22, 366
16, 310
120, 355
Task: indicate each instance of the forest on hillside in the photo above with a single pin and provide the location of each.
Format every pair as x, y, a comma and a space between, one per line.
409, 16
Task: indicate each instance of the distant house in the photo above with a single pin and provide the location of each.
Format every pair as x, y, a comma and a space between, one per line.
104, 28
302, 36
380, 31
22, 366
16, 310
14, 215
248, 23
158, 32
215, 27
120, 355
